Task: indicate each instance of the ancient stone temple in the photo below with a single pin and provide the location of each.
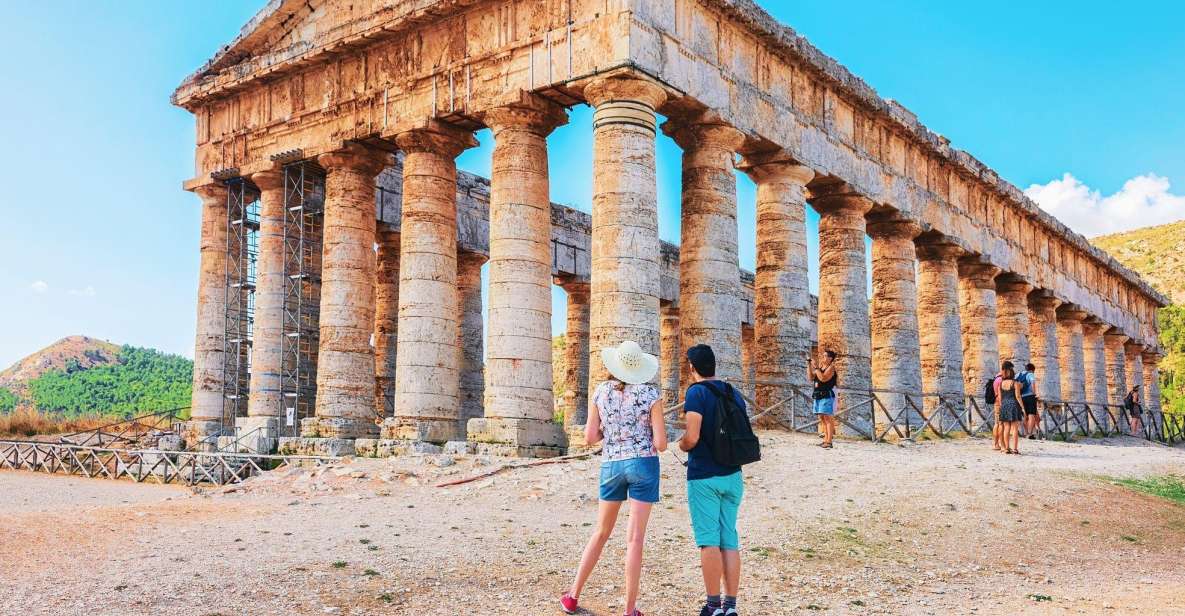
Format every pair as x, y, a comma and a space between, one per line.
339, 293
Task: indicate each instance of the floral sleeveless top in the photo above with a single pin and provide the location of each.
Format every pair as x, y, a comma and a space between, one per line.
625, 420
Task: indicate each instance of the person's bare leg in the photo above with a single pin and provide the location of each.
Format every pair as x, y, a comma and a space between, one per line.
712, 564
1014, 435
731, 559
606, 519
635, 541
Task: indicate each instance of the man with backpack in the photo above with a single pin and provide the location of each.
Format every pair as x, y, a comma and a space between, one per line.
718, 440
1028, 395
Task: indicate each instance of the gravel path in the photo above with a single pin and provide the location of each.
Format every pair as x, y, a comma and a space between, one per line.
934, 528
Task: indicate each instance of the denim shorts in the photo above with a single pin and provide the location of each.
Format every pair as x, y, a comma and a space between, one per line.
636, 478
826, 406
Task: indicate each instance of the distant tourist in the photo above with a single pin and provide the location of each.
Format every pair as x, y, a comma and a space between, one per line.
823, 376
1131, 403
629, 419
718, 440
993, 398
1028, 397
1011, 410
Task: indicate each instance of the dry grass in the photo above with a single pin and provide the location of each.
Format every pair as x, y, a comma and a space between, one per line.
26, 421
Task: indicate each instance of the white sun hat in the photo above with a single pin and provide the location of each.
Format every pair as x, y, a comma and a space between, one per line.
628, 364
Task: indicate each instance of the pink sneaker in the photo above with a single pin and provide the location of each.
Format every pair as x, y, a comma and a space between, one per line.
568, 603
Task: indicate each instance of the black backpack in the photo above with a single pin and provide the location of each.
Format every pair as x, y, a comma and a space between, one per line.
732, 440
989, 391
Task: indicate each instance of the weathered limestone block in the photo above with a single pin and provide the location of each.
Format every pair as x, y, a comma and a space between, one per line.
1094, 353
1073, 366
782, 314
1043, 345
625, 247
709, 273
748, 369
1012, 320
266, 397
896, 344
977, 315
1116, 366
670, 358
313, 446
518, 369
209, 380
1151, 365
386, 319
345, 361
1134, 353
575, 402
470, 334
940, 326
427, 387
843, 296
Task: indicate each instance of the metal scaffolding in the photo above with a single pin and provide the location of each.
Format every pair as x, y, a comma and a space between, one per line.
242, 252
387, 205
304, 213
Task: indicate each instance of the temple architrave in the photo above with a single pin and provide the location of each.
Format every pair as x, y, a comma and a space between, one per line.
339, 291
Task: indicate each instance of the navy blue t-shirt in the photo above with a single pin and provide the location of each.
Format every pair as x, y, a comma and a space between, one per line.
700, 399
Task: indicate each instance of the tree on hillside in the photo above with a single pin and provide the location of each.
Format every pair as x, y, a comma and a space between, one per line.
143, 381
1172, 368
8, 401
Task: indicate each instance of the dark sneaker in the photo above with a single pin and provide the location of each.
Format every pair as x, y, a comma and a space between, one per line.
732, 611
708, 610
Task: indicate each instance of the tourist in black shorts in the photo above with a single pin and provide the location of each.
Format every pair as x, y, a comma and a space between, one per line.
1028, 399
1131, 402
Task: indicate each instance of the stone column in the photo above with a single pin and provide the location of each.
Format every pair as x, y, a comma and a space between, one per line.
209, 381
1012, 320
576, 355
843, 296
1069, 340
1134, 362
1043, 345
977, 314
519, 401
345, 360
670, 359
940, 325
896, 346
1095, 359
709, 272
1114, 340
625, 247
470, 334
748, 369
427, 387
1151, 361
386, 319
781, 295
265, 403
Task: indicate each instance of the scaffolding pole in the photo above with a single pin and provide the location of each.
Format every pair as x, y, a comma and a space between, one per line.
242, 252
304, 213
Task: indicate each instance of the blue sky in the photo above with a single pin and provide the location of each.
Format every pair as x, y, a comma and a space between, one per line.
97, 238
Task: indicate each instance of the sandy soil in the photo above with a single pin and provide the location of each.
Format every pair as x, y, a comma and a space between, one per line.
934, 528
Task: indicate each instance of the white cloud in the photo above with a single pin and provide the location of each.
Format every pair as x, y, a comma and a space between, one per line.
39, 286
89, 291
1144, 201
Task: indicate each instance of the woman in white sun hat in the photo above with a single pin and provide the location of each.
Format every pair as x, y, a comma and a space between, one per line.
629, 419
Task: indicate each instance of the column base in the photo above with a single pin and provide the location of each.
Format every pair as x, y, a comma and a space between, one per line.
337, 427
438, 431
306, 446
516, 433
257, 434
202, 434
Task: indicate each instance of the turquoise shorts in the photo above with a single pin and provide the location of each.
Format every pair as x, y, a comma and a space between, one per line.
713, 503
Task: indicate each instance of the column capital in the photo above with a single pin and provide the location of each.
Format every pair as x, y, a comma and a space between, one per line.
982, 275
1071, 313
574, 286
703, 131
1115, 336
268, 179
775, 165
891, 224
471, 259
1043, 301
621, 87
211, 193
938, 251
355, 156
533, 113
1008, 283
1132, 347
436, 138
1151, 357
839, 198
1094, 326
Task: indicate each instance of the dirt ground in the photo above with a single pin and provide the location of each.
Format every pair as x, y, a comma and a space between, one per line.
933, 528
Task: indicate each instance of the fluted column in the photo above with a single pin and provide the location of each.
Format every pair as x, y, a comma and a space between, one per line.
345, 360
896, 345
940, 326
748, 369
625, 247
470, 334
1134, 365
843, 295
519, 401
576, 354
1043, 345
209, 380
1094, 353
670, 360
1069, 340
1012, 320
1114, 340
977, 314
427, 386
781, 295
386, 319
709, 272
